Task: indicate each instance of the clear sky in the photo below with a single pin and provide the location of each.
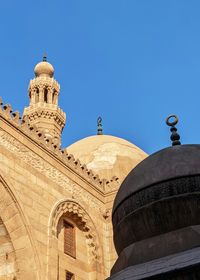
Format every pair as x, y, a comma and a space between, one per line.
133, 62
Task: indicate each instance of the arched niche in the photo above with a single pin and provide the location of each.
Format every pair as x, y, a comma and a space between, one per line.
75, 214
18, 235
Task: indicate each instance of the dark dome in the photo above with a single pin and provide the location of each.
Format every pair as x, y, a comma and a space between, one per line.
165, 183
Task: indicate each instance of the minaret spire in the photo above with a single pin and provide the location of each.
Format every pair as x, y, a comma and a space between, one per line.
43, 110
99, 126
44, 57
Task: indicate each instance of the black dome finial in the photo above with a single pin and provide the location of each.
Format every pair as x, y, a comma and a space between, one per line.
175, 137
99, 126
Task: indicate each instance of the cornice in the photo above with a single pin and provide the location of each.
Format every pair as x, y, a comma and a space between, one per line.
13, 119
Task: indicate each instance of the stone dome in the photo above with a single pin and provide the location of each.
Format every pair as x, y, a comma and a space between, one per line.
107, 155
44, 68
161, 194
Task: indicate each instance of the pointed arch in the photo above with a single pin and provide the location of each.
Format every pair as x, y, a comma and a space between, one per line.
15, 223
45, 95
36, 95
74, 211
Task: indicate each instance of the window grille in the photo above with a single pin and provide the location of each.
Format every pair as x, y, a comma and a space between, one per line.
69, 240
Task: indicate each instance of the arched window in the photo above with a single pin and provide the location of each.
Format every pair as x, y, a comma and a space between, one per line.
54, 99
37, 95
45, 95
69, 239
72, 246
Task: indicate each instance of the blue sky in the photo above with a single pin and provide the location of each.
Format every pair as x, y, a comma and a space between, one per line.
133, 62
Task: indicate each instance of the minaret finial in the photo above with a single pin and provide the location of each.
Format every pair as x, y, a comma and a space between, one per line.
99, 126
175, 137
44, 57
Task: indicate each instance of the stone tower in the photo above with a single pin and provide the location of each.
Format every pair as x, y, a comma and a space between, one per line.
43, 111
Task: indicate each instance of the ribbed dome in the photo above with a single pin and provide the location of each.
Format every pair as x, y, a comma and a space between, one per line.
44, 68
107, 155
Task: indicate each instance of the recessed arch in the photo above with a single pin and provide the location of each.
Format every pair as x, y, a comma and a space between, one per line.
45, 95
36, 95
15, 223
75, 212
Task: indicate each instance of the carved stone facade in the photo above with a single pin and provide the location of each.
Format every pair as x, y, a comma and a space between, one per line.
42, 185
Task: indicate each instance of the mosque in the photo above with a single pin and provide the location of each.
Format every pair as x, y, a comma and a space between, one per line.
56, 204
98, 209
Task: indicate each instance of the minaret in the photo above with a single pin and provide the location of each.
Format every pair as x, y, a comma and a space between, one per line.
43, 111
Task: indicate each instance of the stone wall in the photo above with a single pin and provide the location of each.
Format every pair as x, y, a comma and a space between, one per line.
41, 189
7, 255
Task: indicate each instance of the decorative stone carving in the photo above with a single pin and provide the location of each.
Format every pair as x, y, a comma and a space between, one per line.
43, 167
76, 213
43, 110
52, 145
